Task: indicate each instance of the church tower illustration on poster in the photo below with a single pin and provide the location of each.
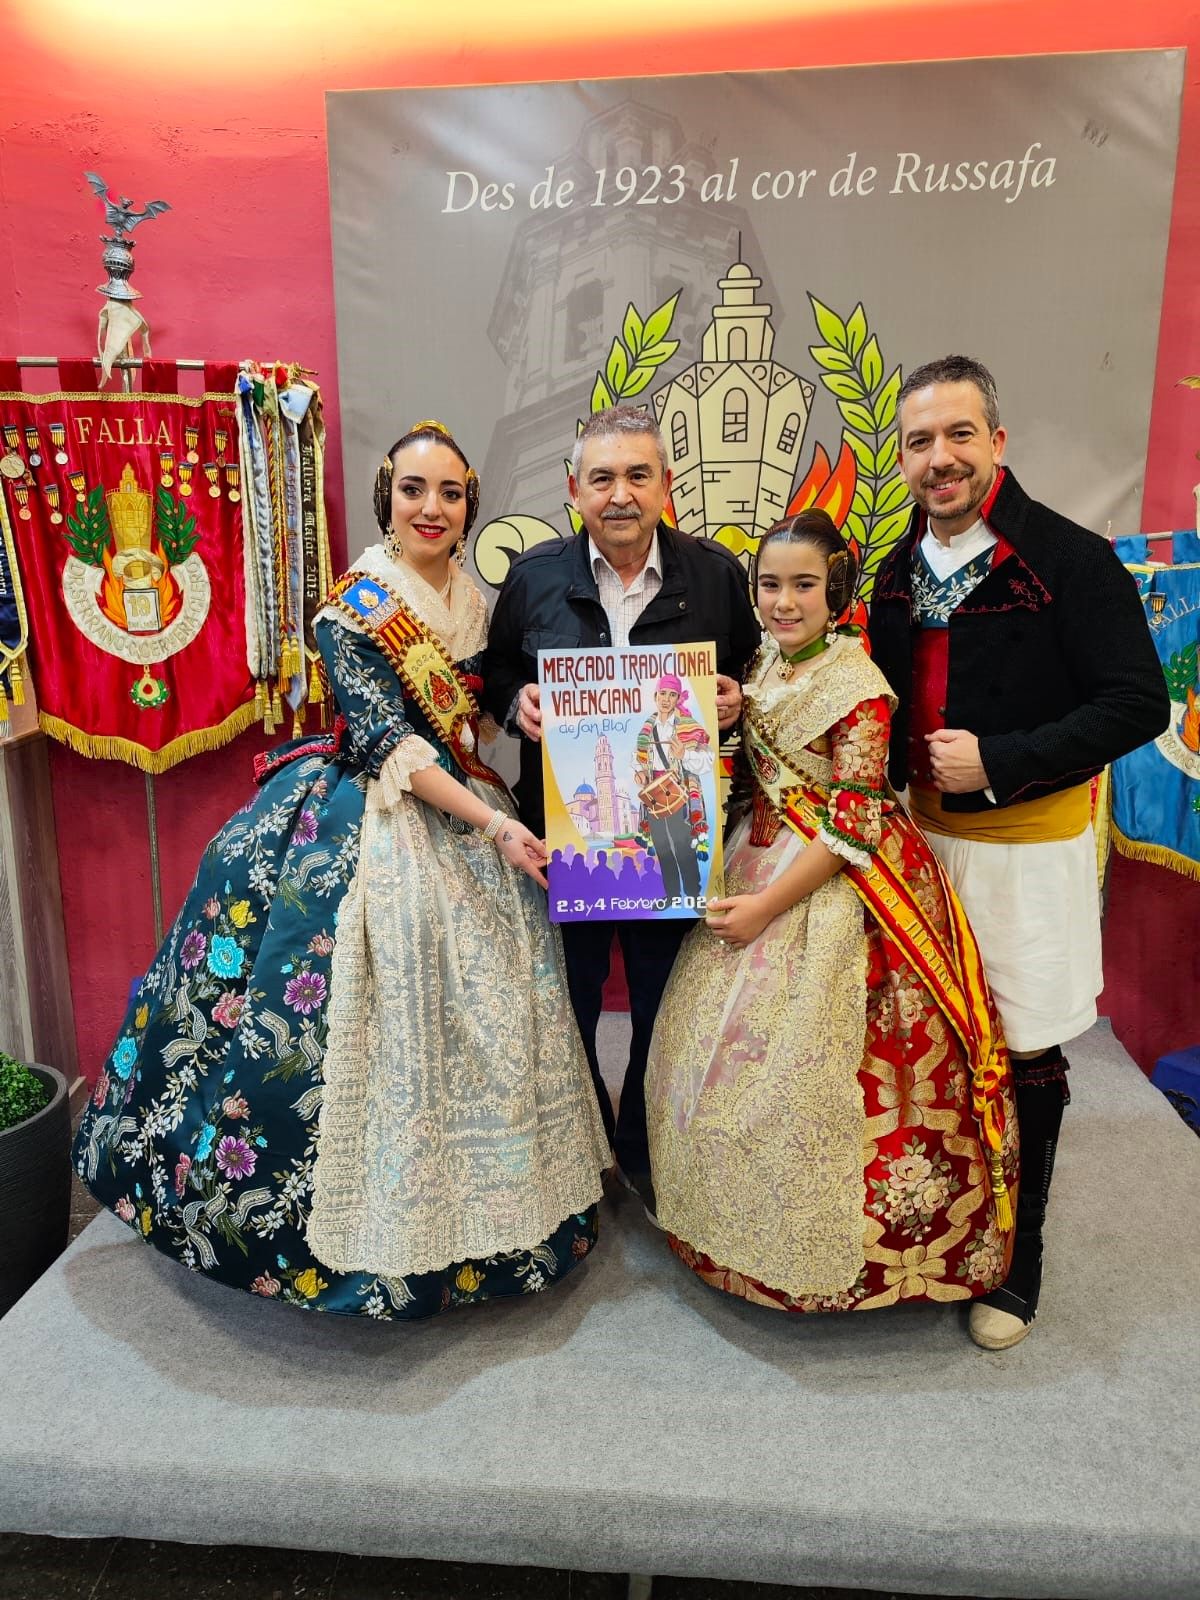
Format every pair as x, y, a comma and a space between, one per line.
606, 789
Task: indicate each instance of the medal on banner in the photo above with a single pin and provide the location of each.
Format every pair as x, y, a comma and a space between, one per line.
12, 463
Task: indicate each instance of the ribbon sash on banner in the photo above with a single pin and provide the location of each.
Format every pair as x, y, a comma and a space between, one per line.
124, 512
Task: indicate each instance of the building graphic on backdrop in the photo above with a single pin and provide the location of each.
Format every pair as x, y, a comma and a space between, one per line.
567, 280
733, 422
734, 418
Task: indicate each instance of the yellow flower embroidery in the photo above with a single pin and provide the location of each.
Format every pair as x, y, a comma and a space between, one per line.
308, 1284
240, 915
141, 1016
468, 1279
146, 1219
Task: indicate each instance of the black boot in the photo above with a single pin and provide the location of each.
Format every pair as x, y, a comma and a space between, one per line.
1002, 1318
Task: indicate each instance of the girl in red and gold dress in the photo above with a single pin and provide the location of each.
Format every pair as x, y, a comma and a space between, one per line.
828, 1095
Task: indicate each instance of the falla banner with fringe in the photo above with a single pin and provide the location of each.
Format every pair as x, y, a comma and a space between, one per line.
162, 545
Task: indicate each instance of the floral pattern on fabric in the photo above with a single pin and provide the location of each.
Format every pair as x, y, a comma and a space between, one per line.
935, 599
852, 821
916, 1207
201, 1132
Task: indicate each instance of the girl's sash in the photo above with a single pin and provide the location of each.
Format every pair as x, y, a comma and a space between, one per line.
952, 971
420, 662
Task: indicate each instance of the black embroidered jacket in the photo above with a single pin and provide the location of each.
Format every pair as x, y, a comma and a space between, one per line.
1051, 662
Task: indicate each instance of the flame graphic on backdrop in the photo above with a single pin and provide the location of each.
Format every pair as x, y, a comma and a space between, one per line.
827, 488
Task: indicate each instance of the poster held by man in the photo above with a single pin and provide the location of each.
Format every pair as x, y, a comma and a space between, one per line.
633, 821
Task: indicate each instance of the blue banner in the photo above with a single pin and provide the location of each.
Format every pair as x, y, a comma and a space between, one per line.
1156, 790
14, 627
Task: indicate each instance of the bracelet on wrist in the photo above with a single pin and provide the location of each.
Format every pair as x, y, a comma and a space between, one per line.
495, 823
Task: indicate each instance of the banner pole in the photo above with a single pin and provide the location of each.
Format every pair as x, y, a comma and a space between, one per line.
155, 874
123, 363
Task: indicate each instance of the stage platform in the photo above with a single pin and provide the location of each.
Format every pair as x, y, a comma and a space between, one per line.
634, 1420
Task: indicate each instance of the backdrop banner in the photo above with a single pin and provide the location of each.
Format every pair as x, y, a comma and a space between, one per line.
1156, 790
758, 258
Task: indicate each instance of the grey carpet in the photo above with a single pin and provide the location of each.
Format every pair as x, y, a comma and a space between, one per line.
634, 1420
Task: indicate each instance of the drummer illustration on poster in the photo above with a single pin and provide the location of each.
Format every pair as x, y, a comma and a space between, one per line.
629, 763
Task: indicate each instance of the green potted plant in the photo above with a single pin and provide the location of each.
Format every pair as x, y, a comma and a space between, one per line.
35, 1173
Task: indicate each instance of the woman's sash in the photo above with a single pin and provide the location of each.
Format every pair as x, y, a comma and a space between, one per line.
951, 971
422, 664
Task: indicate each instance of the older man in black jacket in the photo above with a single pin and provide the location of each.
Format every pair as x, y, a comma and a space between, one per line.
627, 578
1020, 653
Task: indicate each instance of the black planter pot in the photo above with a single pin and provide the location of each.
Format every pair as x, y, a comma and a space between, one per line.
35, 1190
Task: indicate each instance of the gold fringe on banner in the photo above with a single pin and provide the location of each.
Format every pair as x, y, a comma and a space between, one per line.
16, 681
1159, 854
103, 747
316, 690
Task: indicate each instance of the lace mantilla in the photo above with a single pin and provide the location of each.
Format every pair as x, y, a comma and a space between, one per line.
754, 1104
456, 1124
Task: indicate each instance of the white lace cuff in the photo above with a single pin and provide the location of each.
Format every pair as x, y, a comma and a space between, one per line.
395, 776
848, 852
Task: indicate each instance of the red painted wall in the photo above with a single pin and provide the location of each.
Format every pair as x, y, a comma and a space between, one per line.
234, 138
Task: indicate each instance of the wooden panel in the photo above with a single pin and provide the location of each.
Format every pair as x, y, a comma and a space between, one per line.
16, 1035
38, 950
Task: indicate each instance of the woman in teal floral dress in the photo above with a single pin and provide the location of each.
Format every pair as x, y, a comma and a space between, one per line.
351, 1079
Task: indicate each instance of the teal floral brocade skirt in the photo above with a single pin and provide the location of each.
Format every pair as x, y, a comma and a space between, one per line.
201, 1130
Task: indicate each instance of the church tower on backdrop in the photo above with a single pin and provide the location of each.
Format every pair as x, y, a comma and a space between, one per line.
733, 422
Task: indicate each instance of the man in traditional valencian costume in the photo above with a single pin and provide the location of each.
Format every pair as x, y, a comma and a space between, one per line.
673, 753
1020, 653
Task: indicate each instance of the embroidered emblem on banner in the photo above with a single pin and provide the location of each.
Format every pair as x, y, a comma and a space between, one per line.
134, 584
